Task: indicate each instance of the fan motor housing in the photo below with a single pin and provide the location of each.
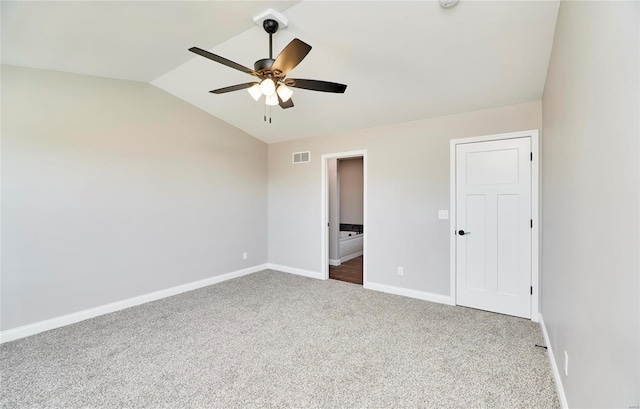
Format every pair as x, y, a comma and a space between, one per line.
264, 64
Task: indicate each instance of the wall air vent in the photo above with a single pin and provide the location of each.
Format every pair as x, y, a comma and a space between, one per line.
301, 157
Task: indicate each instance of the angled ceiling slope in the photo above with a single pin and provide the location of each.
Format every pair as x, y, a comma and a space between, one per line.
402, 61
131, 40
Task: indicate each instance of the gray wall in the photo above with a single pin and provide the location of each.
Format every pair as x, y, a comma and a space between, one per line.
408, 181
591, 204
350, 174
113, 189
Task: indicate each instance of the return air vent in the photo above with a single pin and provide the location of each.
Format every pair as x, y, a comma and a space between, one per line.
301, 157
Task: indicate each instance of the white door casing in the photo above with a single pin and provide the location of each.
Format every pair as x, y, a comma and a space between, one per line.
493, 206
324, 211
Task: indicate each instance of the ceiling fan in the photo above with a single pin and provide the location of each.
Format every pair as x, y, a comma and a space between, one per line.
271, 74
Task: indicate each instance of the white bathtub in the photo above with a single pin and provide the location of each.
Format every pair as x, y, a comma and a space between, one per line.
350, 245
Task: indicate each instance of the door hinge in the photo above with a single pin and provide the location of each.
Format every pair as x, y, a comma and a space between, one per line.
531, 220
531, 290
531, 156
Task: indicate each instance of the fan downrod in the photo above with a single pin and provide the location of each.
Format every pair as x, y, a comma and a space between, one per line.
271, 27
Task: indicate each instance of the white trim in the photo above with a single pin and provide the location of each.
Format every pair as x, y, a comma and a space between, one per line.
496, 137
324, 211
535, 231
61, 321
452, 221
535, 211
420, 295
554, 367
335, 263
350, 256
297, 271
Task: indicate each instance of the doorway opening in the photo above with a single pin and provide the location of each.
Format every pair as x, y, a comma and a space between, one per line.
344, 230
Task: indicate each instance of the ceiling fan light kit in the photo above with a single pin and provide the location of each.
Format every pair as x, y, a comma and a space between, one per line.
255, 91
268, 87
284, 92
271, 72
271, 100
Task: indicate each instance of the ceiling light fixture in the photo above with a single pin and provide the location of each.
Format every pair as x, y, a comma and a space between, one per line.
272, 99
268, 87
284, 92
255, 91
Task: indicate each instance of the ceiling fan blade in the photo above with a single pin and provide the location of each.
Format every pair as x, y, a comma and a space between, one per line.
285, 104
316, 85
233, 88
221, 60
291, 56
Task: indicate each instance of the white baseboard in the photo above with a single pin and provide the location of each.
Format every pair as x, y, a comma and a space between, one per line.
297, 271
37, 327
421, 295
556, 371
350, 256
335, 263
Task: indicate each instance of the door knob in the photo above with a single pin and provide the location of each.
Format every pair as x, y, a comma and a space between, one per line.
462, 232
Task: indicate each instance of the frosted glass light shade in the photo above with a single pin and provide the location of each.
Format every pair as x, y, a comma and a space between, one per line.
268, 87
255, 91
284, 92
272, 99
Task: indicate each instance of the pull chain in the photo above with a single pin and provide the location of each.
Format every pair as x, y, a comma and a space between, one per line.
265, 113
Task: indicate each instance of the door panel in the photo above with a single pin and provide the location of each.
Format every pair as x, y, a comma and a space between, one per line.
493, 207
493, 167
476, 260
508, 214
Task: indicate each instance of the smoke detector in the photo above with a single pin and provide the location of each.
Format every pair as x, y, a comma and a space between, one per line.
447, 4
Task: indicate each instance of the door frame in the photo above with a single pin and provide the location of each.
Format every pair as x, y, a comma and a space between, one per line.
535, 211
324, 211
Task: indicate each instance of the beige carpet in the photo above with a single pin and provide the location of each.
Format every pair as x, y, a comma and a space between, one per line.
273, 339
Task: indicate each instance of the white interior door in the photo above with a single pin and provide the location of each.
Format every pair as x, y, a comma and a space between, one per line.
493, 234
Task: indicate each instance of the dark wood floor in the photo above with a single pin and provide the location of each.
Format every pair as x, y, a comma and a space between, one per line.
349, 271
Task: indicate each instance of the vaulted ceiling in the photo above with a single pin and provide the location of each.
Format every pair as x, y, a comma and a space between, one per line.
402, 61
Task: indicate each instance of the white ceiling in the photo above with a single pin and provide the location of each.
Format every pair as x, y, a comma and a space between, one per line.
132, 40
402, 61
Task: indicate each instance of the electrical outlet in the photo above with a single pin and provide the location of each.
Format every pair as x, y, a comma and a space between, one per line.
244, 255
566, 364
400, 271
443, 214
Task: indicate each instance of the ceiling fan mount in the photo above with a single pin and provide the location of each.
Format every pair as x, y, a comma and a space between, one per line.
270, 26
272, 73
